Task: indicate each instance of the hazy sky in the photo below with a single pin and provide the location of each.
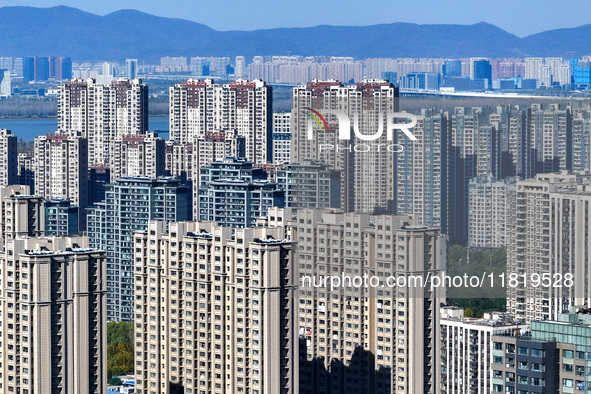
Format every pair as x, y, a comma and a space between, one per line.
520, 17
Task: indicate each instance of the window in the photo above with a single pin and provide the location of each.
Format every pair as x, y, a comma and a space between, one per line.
538, 353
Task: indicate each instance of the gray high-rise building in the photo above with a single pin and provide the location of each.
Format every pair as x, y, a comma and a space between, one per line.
452, 68
480, 68
61, 218
309, 184
422, 176
128, 206
232, 193
8, 158
131, 69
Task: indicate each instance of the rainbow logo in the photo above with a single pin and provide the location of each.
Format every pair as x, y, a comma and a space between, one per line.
317, 117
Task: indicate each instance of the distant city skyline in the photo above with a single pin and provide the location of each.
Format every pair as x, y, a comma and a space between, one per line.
264, 14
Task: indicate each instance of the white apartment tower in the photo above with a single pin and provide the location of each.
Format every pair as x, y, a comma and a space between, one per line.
466, 349
102, 113
61, 169
361, 338
281, 138
200, 107
8, 158
240, 67
54, 326
214, 311
368, 173
138, 155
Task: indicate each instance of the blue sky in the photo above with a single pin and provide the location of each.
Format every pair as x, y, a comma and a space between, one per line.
520, 17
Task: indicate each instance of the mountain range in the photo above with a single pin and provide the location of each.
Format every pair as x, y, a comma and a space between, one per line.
28, 31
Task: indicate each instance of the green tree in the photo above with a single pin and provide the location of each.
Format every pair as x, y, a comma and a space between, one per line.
119, 349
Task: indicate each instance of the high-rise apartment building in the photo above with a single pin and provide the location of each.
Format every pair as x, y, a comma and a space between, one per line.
550, 129
490, 208
102, 113
53, 305
363, 338
548, 238
8, 158
309, 184
214, 311
368, 173
281, 137
422, 177
25, 173
240, 67
217, 146
21, 214
464, 163
581, 139
61, 218
128, 206
466, 349
198, 107
232, 193
511, 145
61, 169
138, 155
179, 159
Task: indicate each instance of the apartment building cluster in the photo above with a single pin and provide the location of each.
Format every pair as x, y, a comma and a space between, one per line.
201, 240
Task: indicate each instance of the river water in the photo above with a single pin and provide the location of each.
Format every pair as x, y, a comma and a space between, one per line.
28, 129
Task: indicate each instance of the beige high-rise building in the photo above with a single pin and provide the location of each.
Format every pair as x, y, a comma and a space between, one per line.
102, 113
53, 306
136, 155
214, 312
548, 240
200, 107
8, 158
21, 214
61, 169
367, 166
367, 338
